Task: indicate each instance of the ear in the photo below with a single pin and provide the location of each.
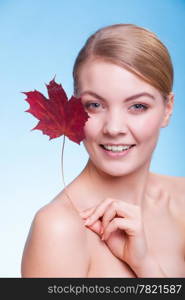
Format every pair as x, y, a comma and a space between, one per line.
168, 110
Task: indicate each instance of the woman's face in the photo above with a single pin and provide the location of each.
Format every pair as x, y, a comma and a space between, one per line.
124, 110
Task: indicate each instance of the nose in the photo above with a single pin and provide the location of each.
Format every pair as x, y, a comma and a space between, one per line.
115, 123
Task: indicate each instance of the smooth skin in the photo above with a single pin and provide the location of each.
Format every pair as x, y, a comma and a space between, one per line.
139, 214
132, 247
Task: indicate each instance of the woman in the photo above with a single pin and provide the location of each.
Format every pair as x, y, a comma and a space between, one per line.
116, 219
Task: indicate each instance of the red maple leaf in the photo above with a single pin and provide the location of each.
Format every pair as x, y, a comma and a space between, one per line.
57, 115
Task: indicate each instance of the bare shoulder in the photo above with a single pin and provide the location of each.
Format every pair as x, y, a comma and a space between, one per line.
56, 245
173, 187
170, 183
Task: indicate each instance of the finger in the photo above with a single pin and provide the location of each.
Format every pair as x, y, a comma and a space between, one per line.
87, 212
118, 223
98, 212
109, 214
132, 210
96, 227
124, 209
115, 208
128, 206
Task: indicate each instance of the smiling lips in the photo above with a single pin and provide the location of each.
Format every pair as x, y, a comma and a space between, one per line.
116, 152
116, 148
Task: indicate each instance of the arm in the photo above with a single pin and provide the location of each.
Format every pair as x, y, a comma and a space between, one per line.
55, 247
149, 268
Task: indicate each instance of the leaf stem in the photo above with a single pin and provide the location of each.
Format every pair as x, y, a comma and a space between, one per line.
62, 161
65, 189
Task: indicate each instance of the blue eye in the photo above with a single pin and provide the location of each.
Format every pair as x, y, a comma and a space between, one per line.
136, 107
139, 107
87, 105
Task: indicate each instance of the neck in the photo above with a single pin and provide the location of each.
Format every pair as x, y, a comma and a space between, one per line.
130, 188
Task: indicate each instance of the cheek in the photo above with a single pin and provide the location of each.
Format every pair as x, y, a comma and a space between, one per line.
91, 129
147, 127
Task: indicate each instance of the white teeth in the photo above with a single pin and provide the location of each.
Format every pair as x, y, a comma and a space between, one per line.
116, 148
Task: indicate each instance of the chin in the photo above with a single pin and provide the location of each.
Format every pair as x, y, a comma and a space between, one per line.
115, 172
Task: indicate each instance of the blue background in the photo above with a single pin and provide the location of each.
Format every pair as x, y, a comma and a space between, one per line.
40, 39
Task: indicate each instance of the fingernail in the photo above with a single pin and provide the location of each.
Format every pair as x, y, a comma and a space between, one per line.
101, 231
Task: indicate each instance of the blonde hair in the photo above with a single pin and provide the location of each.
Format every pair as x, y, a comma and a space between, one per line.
132, 47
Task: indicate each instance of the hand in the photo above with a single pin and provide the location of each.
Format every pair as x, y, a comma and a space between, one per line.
121, 227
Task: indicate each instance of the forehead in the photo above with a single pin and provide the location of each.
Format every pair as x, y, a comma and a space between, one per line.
108, 79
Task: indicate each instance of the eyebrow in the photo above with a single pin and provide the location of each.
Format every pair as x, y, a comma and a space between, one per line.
127, 99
